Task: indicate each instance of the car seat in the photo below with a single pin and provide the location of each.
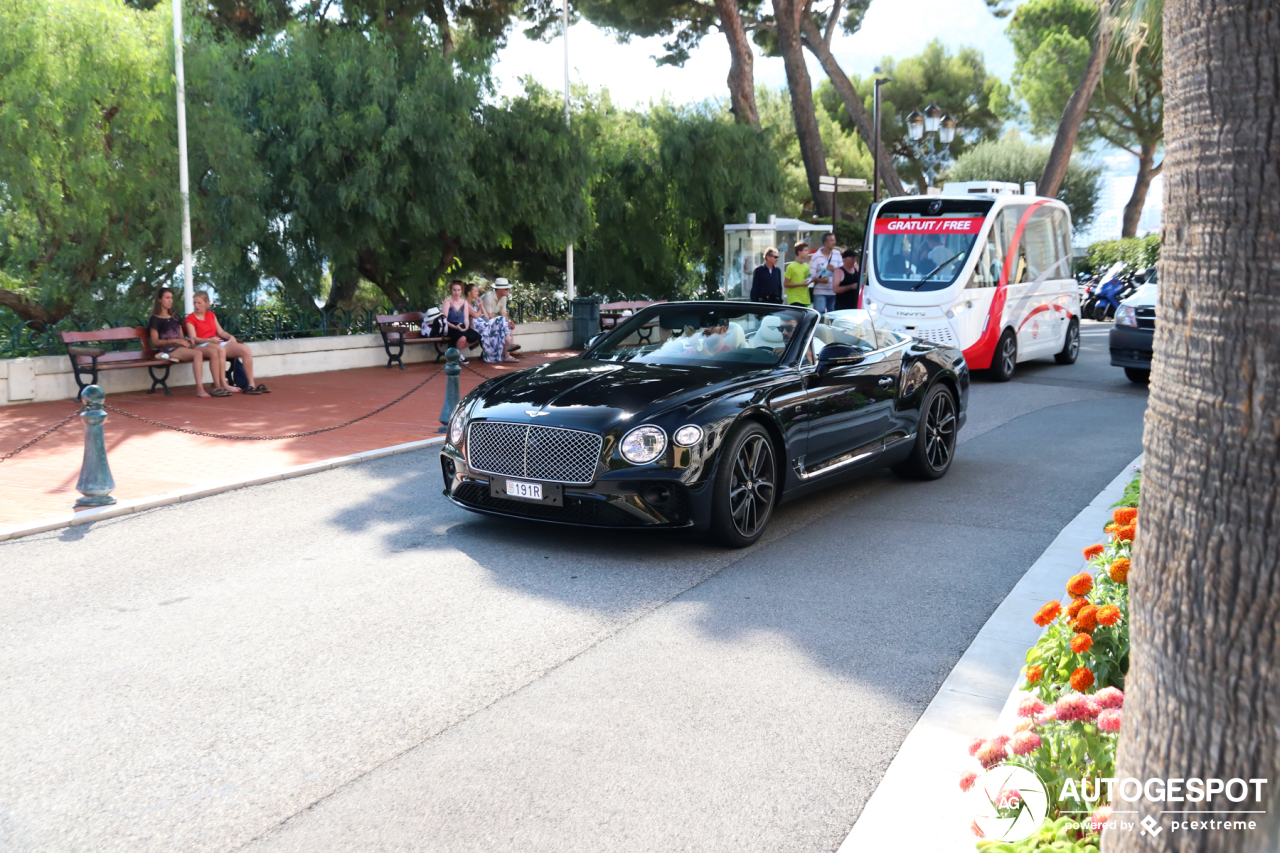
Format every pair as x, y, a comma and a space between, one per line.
735, 336
769, 335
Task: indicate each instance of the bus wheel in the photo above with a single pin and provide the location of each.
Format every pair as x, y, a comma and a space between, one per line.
1071, 346
1006, 357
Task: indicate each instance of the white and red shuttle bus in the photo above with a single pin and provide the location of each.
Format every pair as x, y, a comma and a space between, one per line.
982, 268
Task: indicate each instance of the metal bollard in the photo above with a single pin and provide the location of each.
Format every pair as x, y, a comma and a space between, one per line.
452, 369
96, 481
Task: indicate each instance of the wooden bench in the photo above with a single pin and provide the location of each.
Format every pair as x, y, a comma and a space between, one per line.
399, 330
89, 361
612, 313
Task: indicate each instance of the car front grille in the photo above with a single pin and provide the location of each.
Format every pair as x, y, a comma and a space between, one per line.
576, 510
551, 454
1146, 318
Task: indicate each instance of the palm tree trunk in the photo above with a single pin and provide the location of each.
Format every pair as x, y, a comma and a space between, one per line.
1138, 200
788, 14
819, 47
742, 85
1074, 112
1203, 698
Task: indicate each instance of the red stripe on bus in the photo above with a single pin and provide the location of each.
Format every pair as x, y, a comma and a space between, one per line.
980, 354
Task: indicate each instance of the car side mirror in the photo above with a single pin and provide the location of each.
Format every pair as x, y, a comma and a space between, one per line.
595, 339
839, 355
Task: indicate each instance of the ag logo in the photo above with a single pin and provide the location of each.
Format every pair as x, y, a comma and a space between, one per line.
1035, 329
1008, 803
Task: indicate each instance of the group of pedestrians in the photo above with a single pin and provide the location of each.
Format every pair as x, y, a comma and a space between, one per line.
826, 280
478, 319
199, 337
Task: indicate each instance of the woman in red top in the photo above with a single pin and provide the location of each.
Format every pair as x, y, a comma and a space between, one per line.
209, 334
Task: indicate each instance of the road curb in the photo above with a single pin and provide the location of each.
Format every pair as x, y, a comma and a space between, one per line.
87, 516
977, 697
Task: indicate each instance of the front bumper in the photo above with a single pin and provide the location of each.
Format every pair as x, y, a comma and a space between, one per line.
650, 501
1131, 347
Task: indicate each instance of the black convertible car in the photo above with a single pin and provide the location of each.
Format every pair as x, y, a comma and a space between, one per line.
705, 415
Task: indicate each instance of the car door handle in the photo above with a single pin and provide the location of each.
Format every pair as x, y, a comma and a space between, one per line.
885, 382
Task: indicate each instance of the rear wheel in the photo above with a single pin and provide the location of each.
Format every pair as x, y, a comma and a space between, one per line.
1006, 357
1138, 375
935, 443
746, 487
1070, 347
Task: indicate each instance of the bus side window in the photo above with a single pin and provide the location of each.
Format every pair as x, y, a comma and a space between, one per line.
986, 272
1062, 230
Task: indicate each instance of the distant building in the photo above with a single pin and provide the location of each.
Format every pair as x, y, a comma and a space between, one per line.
1116, 190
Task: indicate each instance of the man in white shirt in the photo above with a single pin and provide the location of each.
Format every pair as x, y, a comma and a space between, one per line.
494, 302
822, 267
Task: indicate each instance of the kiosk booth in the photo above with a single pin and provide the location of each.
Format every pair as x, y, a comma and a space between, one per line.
744, 247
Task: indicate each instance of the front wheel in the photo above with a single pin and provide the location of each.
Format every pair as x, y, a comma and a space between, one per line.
935, 444
1071, 347
1138, 375
1006, 357
746, 487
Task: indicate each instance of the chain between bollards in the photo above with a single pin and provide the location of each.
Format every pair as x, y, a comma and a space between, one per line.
95, 482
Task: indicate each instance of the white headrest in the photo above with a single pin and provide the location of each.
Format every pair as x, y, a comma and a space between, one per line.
735, 336
769, 334
824, 333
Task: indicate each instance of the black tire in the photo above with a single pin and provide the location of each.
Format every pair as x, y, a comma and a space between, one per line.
1071, 346
1138, 375
746, 487
1005, 358
935, 444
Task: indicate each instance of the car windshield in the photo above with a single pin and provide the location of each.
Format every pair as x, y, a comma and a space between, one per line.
728, 336
856, 327
922, 244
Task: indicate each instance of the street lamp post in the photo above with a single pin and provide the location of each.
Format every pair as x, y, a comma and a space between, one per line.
569, 290
875, 154
184, 183
936, 124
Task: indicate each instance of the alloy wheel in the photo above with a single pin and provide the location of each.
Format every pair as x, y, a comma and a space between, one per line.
1073, 345
1008, 355
940, 431
751, 488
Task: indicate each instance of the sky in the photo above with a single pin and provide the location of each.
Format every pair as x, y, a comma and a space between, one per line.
895, 28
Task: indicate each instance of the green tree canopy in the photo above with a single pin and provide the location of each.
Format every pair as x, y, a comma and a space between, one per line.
1013, 159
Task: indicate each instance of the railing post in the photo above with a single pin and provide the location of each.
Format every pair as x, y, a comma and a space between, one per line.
96, 482
452, 369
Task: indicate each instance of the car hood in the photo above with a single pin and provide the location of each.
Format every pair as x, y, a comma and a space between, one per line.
1145, 296
597, 395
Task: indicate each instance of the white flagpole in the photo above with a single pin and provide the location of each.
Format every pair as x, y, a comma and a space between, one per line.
184, 188
569, 289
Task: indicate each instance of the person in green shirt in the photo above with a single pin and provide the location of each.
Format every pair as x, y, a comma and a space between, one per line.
796, 278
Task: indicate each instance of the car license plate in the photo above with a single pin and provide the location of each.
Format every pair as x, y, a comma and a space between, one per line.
524, 491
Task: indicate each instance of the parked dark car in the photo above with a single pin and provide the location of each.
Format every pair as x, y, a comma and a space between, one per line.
706, 415
1132, 338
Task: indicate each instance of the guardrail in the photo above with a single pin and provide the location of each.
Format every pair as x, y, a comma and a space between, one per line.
22, 340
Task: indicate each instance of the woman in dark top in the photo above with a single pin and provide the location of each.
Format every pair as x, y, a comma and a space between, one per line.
458, 313
168, 340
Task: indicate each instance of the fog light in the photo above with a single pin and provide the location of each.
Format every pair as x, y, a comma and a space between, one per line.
688, 436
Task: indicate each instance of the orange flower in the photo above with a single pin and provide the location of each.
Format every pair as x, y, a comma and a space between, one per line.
1111, 527
1081, 643
1047, 614
1033, 674
1081, 679
1093, 551
1126, 533
1119, 570
1125, 515
1080, 584
1077, 604
1109, 615
1087, 619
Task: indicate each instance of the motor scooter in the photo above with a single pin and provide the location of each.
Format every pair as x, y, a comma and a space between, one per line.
1108, 293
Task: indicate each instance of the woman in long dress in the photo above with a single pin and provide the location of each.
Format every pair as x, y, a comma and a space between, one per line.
493, 330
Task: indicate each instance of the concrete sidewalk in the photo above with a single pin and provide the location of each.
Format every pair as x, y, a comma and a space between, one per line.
147, 460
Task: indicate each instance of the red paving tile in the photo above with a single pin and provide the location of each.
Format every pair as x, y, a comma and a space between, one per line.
147, 460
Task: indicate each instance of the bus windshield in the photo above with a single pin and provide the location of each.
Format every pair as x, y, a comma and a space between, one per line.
922, 244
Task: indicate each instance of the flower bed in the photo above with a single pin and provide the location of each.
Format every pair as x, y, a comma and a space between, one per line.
1071, 715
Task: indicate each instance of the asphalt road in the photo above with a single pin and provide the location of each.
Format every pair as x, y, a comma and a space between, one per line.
345, 661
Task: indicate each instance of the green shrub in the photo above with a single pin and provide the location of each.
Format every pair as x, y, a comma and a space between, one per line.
1137, 252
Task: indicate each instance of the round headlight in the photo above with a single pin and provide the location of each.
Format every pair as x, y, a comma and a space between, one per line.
688, 436
643, 444
456, 427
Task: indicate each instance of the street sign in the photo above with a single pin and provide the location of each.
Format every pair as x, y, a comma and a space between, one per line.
829, 183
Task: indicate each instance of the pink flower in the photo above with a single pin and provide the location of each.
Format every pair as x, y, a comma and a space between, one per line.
1109, 721
1074, 706
1024, 726
1109, 697
991, 754
967, 780
1099, 818
1002, 740
1025, 742
1008, 799
975, 745
976, 830
1030, 707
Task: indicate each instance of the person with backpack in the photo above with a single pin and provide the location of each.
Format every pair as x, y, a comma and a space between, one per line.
204, 328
